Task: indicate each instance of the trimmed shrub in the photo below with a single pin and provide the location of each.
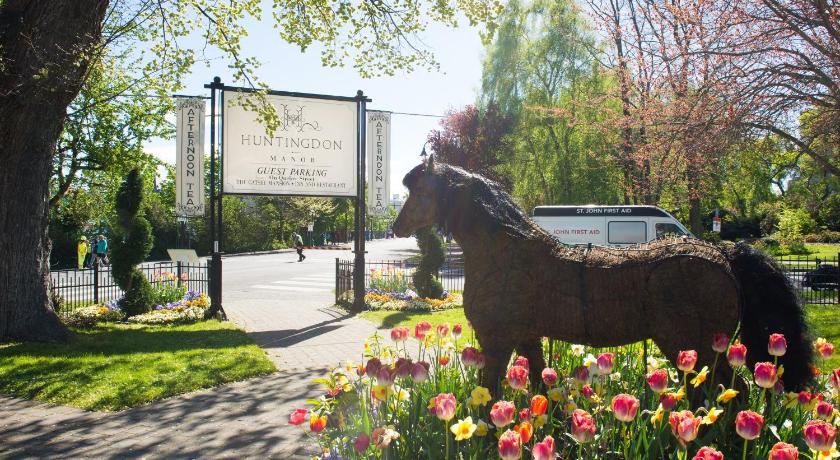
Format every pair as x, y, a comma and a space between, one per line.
131, 246
432, 256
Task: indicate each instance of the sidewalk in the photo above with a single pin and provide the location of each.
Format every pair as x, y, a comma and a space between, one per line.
241, 420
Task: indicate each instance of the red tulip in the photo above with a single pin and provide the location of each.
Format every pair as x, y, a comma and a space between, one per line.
399, 334
587, 391
443, 360
668, 400
686, 360
317, 424
362, 443
737, 354
522, 361
624, 407
421, 329
525, 430
804, 397
298, 416
525, 414
765, 375
510, 445
835, 378
605, 363
658, 380
720, 342
819, 435
783, 451
445, 406
501, 414
457, 329
707, 453
517, 377
777, 345
443, 329
583, 426
824, 410
684, 425
544, 450
748, 424
539, 404
549, 376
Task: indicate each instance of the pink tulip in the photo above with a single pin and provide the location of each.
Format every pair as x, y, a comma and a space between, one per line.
420, 371
825, 350
658, 380
517, 377
783, 451
524, 414
445, 406
421, 329
720, 342
668, 400
502, 413
386, 376
737, 354
765, 375
583, 426
522, 361
684, 425
819, 435
804, 397
549, 377
824, 410
298, 416
686, 360
457, 329
443, 329
510, 445
479, 361
587, 391
835, 378
399, 334
748, 424
777, 345
362, 443
605, 363
544, 450
707, 453
469, 356
582, 374
624, 407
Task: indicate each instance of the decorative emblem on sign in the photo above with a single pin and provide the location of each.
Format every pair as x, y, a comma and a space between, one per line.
295, 119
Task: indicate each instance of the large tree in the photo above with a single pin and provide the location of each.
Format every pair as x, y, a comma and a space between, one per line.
46, 49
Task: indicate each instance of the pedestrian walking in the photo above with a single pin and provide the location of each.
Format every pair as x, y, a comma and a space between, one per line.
81, 251
101, 250
299, 246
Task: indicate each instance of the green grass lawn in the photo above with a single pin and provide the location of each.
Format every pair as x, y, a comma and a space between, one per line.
825, 319
117, 366
823, 251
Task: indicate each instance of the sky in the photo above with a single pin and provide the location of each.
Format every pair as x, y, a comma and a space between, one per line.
285, 68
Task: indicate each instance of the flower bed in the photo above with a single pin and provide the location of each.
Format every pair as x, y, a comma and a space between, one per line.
409, 301
189, 309
423, 400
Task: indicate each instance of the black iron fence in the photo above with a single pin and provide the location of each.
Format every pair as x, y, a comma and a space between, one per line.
394, 275
80, 288
816, 279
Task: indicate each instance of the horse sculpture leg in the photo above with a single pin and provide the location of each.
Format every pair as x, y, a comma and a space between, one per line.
532, 349
496, 360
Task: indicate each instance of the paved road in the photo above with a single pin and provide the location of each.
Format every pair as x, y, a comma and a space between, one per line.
285, 306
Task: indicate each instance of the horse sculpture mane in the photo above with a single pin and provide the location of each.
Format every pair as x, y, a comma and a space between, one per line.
521, 284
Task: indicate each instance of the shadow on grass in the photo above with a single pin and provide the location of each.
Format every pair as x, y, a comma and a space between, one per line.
395, 318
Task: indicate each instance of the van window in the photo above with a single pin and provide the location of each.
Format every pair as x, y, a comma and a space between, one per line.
621, 232
664, 229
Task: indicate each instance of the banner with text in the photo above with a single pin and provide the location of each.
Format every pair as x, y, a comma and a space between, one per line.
313, 151
378, 161
189, 162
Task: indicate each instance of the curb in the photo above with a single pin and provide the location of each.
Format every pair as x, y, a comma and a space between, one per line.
286, 250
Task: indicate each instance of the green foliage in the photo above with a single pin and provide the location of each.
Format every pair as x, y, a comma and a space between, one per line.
793, 224
425, 277
132, 244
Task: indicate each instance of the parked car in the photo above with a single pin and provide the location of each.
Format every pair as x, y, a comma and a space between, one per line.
825, 276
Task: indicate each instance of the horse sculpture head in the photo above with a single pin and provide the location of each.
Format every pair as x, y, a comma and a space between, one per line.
421, 208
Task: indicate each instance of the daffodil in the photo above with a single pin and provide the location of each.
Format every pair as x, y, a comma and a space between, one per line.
577, 350
380, 392
712, 416
727, 395
555, 394
464, 429
540, 420
590, 360
828, 454
700, 377
657, 416
480, 396
481, 428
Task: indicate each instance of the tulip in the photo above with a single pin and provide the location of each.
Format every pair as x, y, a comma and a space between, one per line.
399, 334
525, 430
748, 424
539, 404
502, 413
317, 423
420, 371
686, 360
549, 376
445, 406
522, 361
469, 356
737, 354
372, 367
835, 378
804, 397
824, 411
720, 342
544, 450
464, 429
479, 362
298, 416
605, 363
582, 374
517, 377
783, 451
824, 348
443, 360
525, 414
510, 445
386, 376
658, 380
669, 400
624, 407
707, 453
583, 426
765, 375
362, 443
383, 436
777, 345
684, 426
819, 435
402, 367
421, 329
443, 329
587, 391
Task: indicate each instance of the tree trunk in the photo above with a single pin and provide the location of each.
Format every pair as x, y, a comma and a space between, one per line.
45, 48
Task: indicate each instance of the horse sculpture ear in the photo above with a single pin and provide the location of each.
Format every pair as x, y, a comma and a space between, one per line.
430, 164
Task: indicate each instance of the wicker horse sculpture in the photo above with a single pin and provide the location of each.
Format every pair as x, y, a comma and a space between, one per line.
521, 284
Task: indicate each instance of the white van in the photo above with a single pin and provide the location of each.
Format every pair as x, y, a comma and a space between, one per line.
607, 225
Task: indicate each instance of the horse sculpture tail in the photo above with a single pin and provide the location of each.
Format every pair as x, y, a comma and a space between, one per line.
770, 305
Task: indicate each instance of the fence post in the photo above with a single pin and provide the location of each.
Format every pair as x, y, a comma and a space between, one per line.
96, 282
336, 280
178, 273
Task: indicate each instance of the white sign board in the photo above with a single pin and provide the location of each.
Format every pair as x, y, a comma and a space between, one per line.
313, 152
189, 162
716, 224
310, 226
187, 256
378, 161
